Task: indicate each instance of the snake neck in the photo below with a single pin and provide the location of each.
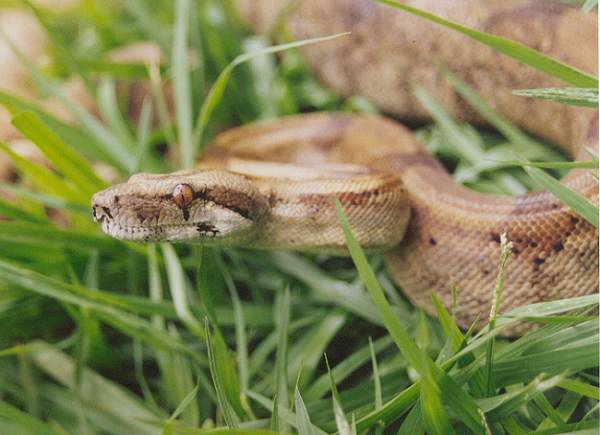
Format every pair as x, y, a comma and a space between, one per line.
301, 213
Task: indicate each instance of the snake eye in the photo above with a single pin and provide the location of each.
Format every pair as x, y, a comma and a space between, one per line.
183, 194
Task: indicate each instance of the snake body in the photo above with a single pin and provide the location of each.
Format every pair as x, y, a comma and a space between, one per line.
271, 185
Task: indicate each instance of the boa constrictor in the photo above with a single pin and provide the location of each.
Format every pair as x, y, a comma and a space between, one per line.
271, 185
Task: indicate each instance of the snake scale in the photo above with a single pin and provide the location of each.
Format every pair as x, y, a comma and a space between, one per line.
272, 184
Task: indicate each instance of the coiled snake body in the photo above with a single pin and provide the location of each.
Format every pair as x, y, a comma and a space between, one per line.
271, 185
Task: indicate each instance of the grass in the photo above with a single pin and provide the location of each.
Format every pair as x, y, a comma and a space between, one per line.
101, 336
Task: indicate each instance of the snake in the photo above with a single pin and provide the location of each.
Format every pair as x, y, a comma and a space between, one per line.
273, 184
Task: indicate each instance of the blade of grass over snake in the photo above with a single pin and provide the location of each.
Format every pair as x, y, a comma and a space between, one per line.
572, 199
505, 252
586, 97
516, 50
453, 395
588, 6
218, 88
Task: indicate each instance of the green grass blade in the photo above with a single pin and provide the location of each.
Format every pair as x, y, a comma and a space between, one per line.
189, 398
412, 424
498, 408
588, 164
26, 422
433, 413
303, 423
44, 179
143, 133
218, 88
63, 158
585, 97
179, 290
572, 199
8, 209
376, 378
222, 374
74, 136
505, 252
111, 113
282, 320
341, 421
287, 415
580, 387
181, 82
516, 50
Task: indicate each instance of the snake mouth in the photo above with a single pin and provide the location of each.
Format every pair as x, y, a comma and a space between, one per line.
202, 229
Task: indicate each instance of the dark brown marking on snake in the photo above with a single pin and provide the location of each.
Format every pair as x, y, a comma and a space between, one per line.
538, 261
432, 241
238, 202
558, 246
106, 211
495, 237
186, 214
390, 184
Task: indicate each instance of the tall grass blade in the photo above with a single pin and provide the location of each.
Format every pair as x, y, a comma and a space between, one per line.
585, 97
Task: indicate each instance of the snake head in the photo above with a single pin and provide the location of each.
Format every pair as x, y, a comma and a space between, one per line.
207, 206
